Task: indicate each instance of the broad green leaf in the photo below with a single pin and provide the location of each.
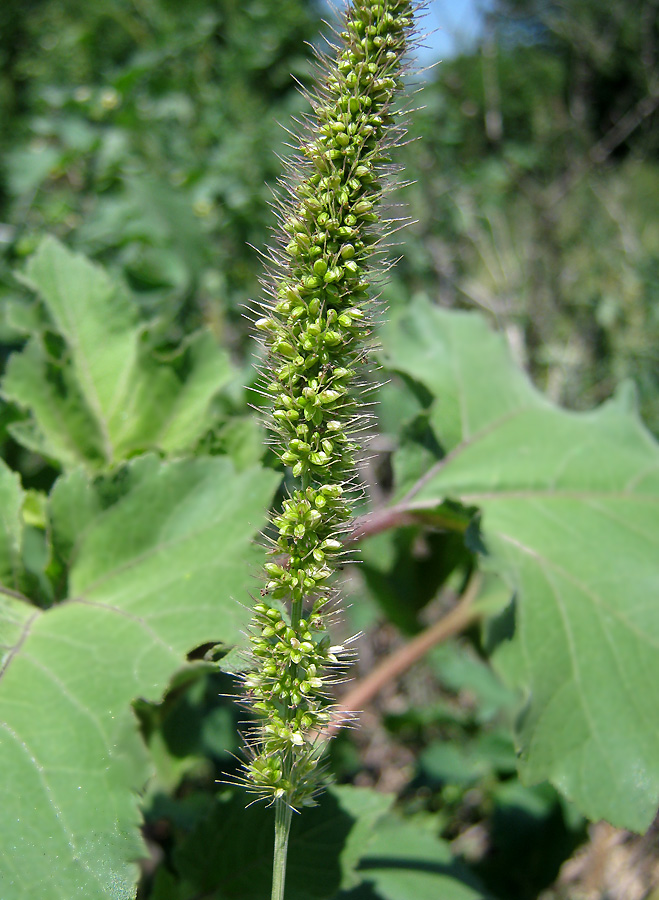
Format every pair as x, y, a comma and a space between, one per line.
14, 617
570, 515
99, 323
162, 564
167, 411
346, 842
405, 861
61, 426
185, 421
462, 364
74, 503
11, 528
230, 851
367, 808
101, 395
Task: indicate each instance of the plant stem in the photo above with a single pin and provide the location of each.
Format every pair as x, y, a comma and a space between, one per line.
454, 622
283, 815
296, 613
388, 517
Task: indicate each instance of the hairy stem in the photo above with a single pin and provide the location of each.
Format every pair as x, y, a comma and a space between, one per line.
392, 667
389, 517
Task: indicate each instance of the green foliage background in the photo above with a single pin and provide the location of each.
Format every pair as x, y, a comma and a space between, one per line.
146, 136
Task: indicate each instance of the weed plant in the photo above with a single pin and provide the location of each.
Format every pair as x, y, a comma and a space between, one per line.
316, 326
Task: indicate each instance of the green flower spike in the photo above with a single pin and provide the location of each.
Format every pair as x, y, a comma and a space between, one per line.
315, 327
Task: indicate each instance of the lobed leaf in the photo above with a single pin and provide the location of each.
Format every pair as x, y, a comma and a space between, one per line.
11, 527
345, 845
160, 566
404, 860
95, 392
230, 850
570, 515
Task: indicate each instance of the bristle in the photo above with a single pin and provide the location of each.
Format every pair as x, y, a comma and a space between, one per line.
322, 277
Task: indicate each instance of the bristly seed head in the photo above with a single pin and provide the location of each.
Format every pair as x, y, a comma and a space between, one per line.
315, 329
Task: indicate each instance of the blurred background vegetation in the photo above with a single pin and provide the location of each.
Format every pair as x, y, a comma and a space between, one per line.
146, 133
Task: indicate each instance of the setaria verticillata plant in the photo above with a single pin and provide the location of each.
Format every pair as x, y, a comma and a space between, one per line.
316, 324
